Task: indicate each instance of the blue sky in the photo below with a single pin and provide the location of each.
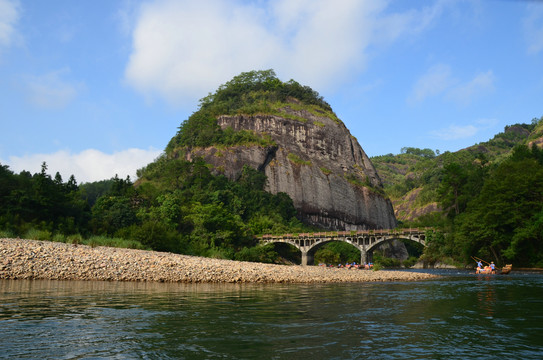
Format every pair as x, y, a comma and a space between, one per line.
98, 88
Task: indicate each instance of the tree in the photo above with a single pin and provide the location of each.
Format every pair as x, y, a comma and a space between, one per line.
508, 200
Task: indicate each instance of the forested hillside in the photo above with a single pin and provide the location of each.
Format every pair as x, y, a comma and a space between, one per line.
488, 198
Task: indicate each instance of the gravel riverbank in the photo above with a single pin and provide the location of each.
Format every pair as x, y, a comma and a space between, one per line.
30, 259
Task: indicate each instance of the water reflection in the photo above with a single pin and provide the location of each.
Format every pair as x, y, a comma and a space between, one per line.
460, 315
486, 296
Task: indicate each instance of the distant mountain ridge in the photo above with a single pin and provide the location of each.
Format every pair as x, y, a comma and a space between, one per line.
411, 179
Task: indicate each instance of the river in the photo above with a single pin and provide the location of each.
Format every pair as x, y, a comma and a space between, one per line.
458, 316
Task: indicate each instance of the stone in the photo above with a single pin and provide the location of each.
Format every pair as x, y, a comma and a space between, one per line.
317, 162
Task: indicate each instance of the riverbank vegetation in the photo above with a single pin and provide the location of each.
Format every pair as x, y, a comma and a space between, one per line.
177, 206
487, 199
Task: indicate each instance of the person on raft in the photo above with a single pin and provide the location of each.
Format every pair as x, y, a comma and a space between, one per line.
479, 267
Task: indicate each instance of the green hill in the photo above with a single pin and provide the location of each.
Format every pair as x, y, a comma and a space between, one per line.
488, 197
412, 178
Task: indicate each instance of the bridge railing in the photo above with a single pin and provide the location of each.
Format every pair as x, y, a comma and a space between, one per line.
331, 234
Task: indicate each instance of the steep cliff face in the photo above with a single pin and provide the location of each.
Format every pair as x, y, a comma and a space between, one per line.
316, 161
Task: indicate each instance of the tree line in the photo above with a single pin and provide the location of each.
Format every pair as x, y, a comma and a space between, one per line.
493, 210
176, 205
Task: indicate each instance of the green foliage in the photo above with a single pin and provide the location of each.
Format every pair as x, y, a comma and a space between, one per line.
295, 159
337, 252
259, 253
213, 216
177, 206
248, 93
326, 171
425, 153
37, 234
41, 202
381, 261
6, 234
249, 87
327, 256
90, 192
410, 262
74, 239
95, 241
502, 219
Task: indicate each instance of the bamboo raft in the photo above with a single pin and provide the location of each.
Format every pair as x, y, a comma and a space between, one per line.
488, 271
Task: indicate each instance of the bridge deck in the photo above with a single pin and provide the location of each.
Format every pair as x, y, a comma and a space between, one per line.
343, 234
364, 240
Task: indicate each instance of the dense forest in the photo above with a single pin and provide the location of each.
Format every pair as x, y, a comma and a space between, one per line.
487, 200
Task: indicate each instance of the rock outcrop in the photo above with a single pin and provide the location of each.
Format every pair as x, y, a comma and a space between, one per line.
316, 161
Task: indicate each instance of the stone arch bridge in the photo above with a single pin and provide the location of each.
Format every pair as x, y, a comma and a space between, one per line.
364, 240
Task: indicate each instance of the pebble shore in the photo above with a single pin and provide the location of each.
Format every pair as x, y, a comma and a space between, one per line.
31, 259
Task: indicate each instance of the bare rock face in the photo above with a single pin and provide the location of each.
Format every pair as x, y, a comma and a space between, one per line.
316, 162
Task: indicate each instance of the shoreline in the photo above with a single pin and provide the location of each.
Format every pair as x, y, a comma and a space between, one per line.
46, 260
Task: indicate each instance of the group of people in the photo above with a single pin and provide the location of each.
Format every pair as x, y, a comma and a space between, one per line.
488, 269
354, 265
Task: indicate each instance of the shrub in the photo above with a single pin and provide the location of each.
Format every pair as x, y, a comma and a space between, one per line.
36, 234
264, 254
59, 238
74, 239
412, 260
5, 234
297, 160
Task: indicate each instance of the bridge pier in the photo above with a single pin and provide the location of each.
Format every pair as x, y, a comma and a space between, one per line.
307, 258
363, 257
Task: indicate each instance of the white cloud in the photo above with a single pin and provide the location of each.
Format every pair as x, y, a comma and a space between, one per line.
87, 166
50, 90
126, 16
454, 132
438, 80
464, 93
184, 49
533, 28
411, 22
9, 14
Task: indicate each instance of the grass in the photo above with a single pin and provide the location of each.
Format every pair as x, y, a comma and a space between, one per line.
95, 241
36, 234
297, 160
76, 239
326, 171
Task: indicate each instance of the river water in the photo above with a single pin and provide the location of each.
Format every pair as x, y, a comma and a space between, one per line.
458, 316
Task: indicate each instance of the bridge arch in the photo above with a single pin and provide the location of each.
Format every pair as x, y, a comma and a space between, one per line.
365, 240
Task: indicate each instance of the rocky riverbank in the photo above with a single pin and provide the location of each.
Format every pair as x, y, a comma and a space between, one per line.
30, 259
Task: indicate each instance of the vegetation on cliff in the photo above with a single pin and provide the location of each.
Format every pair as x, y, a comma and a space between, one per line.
254, 92
487, 198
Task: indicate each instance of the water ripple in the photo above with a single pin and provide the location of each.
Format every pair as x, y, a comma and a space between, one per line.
459, 316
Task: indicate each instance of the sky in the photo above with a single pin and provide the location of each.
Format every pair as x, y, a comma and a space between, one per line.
98, 88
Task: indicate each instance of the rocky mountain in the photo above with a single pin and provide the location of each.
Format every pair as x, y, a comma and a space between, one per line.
308, 154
